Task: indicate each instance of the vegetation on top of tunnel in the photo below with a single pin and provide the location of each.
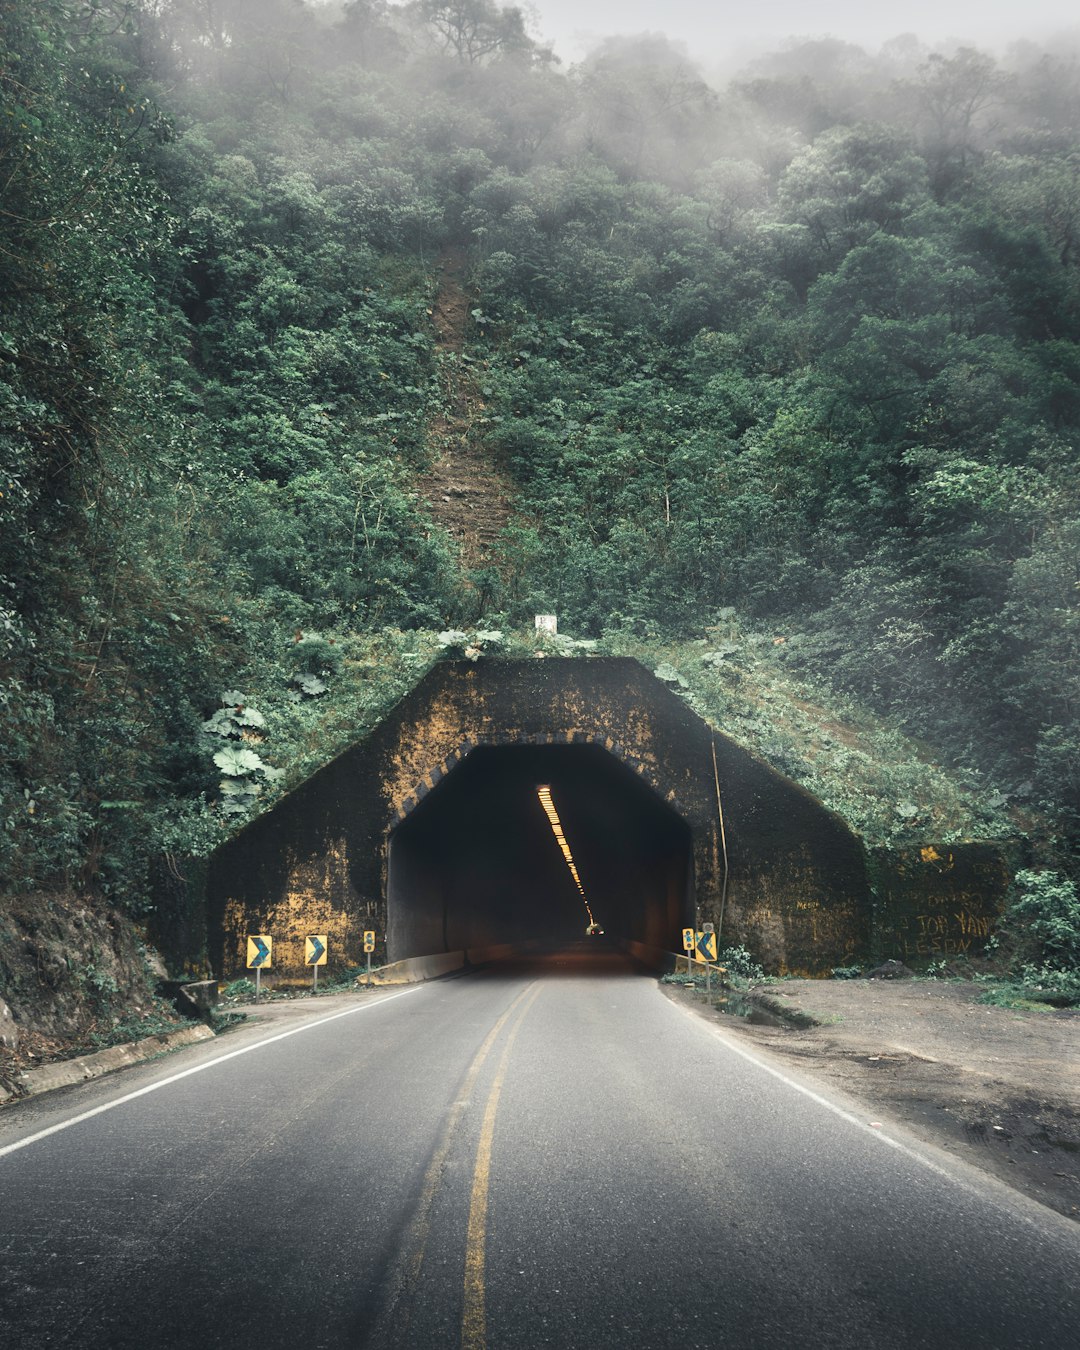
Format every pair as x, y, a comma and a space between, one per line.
889, 787
885, 785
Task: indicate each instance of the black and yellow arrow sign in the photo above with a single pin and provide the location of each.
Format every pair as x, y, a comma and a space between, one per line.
705, 946
260, 952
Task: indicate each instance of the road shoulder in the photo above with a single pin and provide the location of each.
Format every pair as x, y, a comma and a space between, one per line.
1000, 1090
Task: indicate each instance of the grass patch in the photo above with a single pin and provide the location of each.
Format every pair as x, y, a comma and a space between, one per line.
134, 1029
1016, 996
887, 787
238, 991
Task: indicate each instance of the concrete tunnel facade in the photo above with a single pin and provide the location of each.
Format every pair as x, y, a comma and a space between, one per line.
430, 832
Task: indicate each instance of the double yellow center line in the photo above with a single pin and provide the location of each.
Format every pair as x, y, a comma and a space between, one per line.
411, 1257
473, 1317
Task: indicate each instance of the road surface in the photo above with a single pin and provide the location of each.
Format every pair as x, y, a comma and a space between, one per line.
550, 1154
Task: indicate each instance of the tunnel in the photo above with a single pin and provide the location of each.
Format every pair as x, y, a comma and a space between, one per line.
427, 831
477, 863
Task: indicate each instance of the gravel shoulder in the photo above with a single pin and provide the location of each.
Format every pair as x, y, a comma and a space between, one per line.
997, 1087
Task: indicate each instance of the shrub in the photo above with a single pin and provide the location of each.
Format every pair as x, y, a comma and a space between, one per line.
739, 963
1041, 933
1045, 915
1052, 986
241, 988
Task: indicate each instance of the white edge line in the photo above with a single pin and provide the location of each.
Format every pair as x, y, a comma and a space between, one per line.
196, 1068
829, 1105
864, 1128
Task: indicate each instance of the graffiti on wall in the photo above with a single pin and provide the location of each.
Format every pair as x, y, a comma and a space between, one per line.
955, 933
945, 902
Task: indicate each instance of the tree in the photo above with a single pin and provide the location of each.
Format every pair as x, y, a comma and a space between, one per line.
852, 182
731, 189
259, 46
476, 30
952, 96
646, 109
366, 34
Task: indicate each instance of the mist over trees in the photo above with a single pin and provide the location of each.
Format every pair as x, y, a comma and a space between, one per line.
804, 344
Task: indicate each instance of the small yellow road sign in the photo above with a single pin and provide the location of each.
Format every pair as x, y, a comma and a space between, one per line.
688, 939
369, 940
260, 952
315, 950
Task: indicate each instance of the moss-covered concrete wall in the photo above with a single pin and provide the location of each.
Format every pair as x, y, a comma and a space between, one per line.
798, 889
938, 902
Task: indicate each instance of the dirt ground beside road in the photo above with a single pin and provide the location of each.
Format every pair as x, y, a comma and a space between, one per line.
997, 1087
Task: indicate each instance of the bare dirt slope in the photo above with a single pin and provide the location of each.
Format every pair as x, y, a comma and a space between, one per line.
999, 1088
71, 969
468, 492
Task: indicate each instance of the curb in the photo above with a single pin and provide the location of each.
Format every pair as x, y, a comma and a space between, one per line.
81, 1070
415, 969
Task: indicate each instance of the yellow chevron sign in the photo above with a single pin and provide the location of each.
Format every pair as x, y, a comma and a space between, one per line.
260, 952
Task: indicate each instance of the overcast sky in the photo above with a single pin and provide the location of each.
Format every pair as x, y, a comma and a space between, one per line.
723, 29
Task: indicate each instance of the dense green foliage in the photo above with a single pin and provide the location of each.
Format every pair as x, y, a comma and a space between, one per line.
805, 347
1039, 938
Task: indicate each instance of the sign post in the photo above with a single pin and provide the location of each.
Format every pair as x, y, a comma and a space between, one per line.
260, 955
315, 956
709, 931
369, 947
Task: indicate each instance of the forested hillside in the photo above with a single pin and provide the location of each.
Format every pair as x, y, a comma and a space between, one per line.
802, 350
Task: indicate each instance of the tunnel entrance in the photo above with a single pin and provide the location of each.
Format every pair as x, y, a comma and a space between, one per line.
429, 833
476, 864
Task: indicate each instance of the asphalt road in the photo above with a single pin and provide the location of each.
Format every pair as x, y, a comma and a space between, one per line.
548, 1155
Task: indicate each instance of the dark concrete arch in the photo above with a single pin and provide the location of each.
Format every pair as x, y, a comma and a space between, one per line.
320, 860
613, 747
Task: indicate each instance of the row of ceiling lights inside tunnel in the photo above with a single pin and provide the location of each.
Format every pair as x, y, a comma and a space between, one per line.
547, 802
548, 623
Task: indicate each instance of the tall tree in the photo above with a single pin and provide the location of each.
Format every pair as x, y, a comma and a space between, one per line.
476, 30
953, 98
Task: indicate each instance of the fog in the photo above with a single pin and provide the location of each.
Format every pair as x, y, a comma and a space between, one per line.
725, 32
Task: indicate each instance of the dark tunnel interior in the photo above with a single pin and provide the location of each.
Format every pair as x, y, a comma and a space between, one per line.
477, 864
